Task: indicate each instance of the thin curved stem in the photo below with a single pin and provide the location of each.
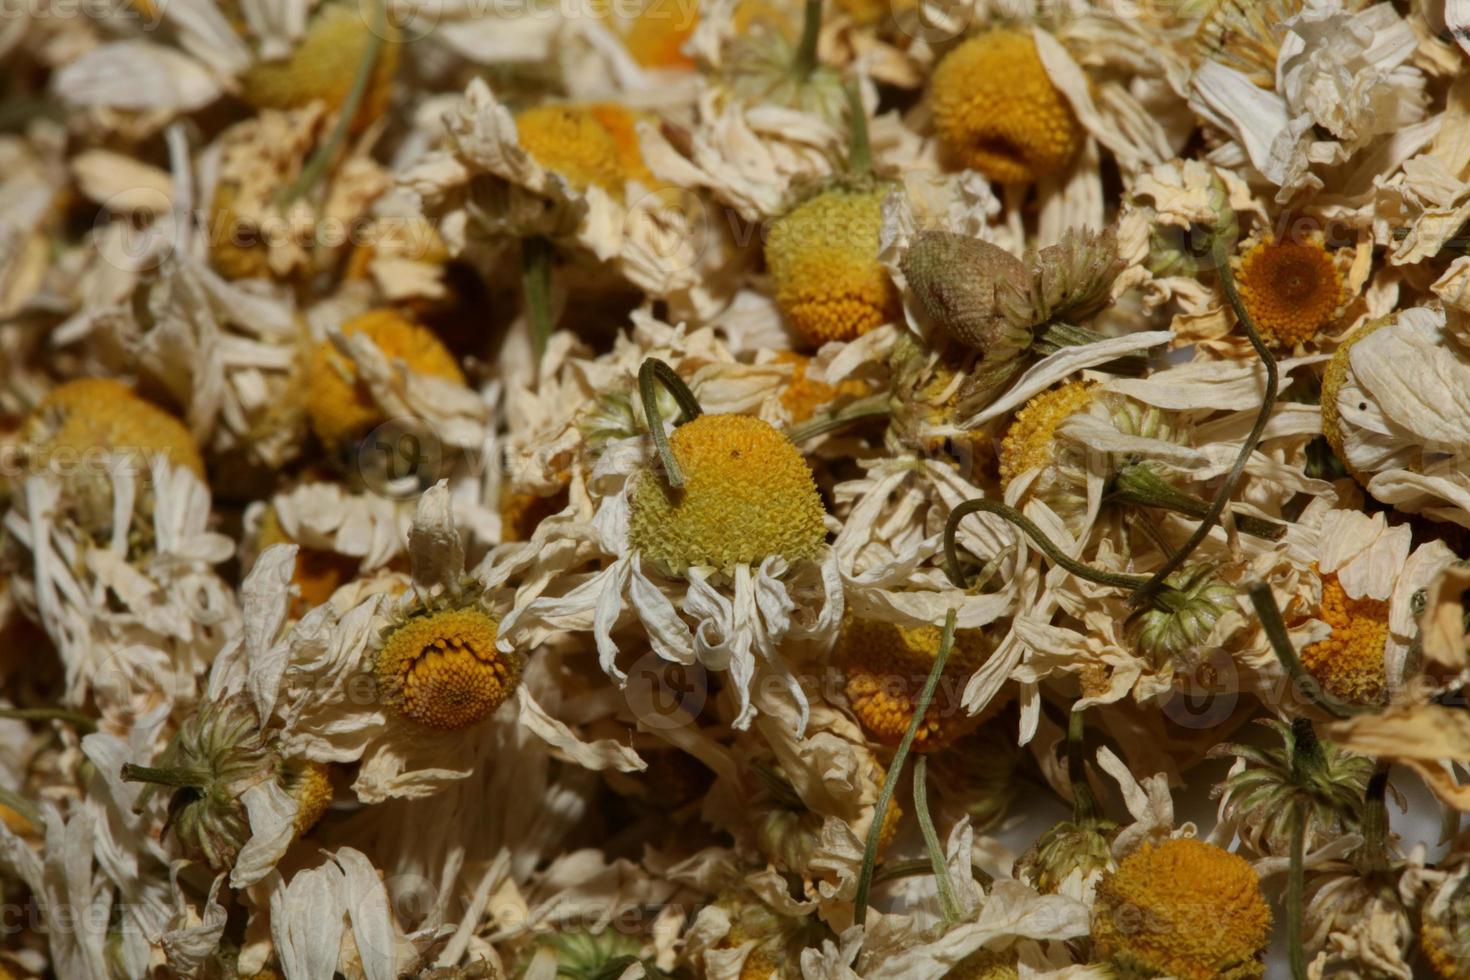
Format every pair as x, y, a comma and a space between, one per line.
1084, 804
322, 158
871, 407
1080, 569
536, 290
1275, 627
805, 61
75, 718
1295, 889
859, 150
948, 907
1221, 253
656, 371
890, 782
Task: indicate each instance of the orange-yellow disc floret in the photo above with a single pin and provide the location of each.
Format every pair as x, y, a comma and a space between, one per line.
521, 512
621, 124
748, 494
985, 964
997, 111
1030, 441
323, 66
94, 414
1182, 908
310, 785
1291, 289
442, 669
339, 405
885, 666
1349, 663
803, 396
572, 141
658, 33
823, 260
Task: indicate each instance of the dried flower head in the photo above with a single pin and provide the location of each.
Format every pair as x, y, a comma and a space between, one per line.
972, 290
441, 668
1291, 289
1349, 663
1444, 933
93, 414
1185, 909
339, 405
318, 572
1030, 442
1333, 379
310, 785
997, 111
885, 666
572, 141
1246, 35
823, 260
748, 494
986, 964
1083, 848
323, 66
1185, 612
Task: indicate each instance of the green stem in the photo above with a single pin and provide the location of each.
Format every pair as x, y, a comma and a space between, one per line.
655, 370
536, 254
1139, 486
1374, 852
805, 61
948, 907
859, 151
1270, 615
871, 407
1077, 568
1221, 250
890, 782
322, 158
1295, 887
74, 718
166, 776
1084, 804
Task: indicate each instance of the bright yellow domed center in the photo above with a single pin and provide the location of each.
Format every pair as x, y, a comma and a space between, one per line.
997, 111
1030, 442
823, 260
748, 494
442, 669
1290, 290
100, 414
1349, 663
1182, 908
572, 141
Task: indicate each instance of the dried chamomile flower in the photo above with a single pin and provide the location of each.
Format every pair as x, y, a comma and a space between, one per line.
1077, 849
82, 430
318, 572
997, 111
776, 940
1246, 35
884, 667
1350, 662
572, 141
748, 494
823, 259
1184, 613
1317, 780
982, 773
217, 754
765, 67
324, 65
309, 783
441, 669
1292, 289
972, 290
1185, 909
340, 407
588, 954
785, 829
1444, 932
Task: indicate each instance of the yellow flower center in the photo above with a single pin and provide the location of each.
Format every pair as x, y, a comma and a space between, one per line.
317, 573
573, 142
310, 785
94, 414
886, 666
1291, 290
997, 111
1182, 908
803, 396
658, 33
323, 66
1349, 663
1333, 378
823, 261
622, 125
747, 494
442, 669
340, 406
1030, 442
985, 964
